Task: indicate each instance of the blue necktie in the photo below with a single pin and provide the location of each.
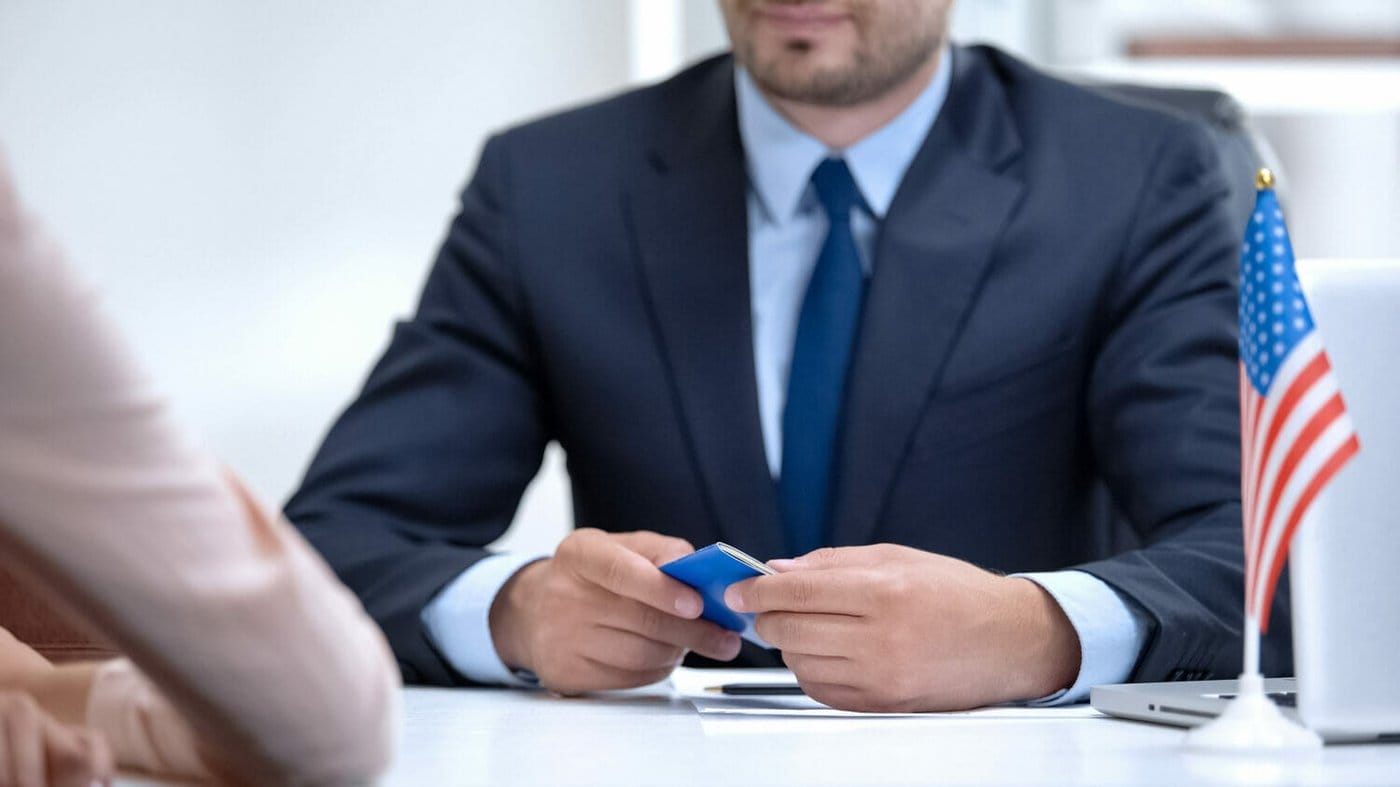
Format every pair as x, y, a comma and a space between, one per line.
826, 331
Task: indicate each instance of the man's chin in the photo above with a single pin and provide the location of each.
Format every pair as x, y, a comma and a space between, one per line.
793, 71
806, 85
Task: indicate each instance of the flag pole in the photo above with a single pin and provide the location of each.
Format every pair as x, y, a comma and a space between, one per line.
1251, 643
1263, 181
1252, 723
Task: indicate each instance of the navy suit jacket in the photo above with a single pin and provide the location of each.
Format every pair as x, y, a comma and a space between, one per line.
1048, 346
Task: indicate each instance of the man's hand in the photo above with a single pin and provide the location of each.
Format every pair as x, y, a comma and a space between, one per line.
889, 628
600, 615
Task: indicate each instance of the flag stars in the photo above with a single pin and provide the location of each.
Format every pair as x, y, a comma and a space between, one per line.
1273, 313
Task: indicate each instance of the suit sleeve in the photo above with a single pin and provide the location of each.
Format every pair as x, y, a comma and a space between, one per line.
1163, 410
427, 465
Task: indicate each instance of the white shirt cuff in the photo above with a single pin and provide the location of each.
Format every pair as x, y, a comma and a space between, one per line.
1111, 631
458, 619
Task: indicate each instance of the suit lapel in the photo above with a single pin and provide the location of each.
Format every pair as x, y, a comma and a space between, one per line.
934, 250
688, 208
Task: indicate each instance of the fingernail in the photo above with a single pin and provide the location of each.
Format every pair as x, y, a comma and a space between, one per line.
783, 564
689, 606
734, 599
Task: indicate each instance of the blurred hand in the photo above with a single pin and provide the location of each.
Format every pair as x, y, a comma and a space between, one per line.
37, 751
600, 615
889, 628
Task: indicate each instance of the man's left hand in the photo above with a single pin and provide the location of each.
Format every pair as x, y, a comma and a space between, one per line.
890, 628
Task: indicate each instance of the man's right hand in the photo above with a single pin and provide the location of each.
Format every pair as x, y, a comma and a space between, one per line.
600, 615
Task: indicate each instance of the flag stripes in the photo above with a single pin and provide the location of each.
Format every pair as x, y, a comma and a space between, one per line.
1295, 434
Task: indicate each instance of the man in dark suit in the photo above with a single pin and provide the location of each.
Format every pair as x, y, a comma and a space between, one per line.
850, 285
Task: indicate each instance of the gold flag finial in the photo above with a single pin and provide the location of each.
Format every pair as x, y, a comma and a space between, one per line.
1264, 179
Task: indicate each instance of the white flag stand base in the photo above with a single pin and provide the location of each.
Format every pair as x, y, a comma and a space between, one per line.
1252, 723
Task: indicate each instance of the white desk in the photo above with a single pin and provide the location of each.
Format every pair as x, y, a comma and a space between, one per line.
503, 737
509, 737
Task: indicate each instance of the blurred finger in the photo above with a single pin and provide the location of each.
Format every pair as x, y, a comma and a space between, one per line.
78, 757
24, 736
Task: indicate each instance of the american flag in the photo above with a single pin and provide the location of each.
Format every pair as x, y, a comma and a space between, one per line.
1295, 431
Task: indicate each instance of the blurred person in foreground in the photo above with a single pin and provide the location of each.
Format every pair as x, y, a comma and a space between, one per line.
245, 661
848, 284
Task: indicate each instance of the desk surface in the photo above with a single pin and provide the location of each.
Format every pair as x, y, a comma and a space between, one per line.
465, 737
502, 737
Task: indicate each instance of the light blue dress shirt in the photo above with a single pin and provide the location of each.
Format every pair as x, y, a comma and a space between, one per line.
786, 230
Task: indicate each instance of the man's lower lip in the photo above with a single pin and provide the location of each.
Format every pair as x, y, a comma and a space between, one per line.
800, 18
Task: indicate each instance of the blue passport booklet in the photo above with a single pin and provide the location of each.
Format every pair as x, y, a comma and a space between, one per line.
710, 571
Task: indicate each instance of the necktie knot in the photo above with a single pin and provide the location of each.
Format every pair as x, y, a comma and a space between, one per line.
836, 189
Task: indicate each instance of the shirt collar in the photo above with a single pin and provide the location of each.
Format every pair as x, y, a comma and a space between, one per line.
780, 157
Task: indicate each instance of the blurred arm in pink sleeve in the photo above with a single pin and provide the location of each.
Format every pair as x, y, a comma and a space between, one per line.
278, 672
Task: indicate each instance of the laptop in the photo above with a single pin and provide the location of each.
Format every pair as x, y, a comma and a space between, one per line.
1345, 559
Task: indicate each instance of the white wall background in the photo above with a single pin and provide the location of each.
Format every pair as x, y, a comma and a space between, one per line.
260, 186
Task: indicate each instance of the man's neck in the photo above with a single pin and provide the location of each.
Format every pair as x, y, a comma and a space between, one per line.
842, 126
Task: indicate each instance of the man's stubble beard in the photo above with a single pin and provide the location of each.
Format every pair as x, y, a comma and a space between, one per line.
867, 75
